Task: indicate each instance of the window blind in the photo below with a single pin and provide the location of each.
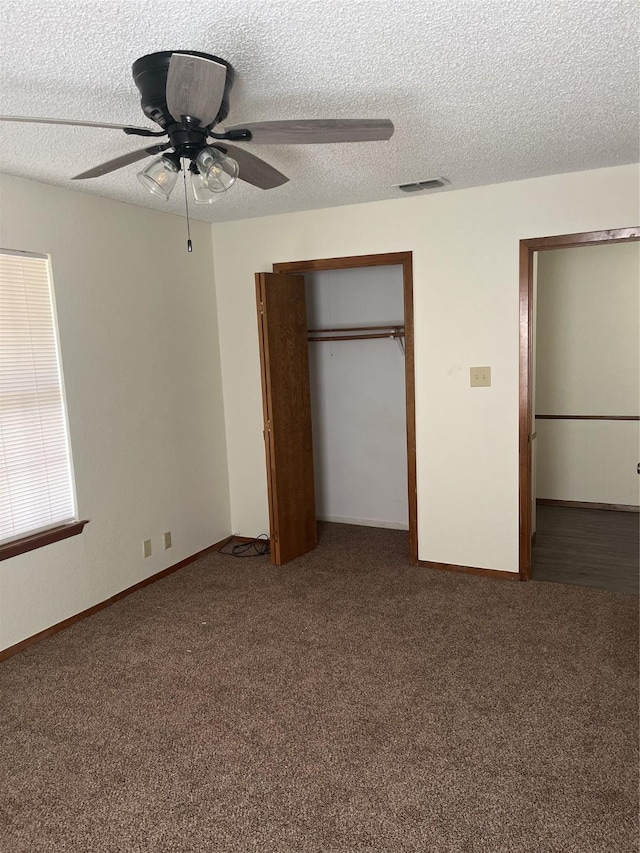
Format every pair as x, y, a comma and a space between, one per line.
36, 485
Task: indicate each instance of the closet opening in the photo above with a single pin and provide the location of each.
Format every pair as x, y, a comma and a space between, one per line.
579, 409
336, 349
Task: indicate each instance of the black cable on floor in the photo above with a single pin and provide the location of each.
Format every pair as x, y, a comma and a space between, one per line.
258, 547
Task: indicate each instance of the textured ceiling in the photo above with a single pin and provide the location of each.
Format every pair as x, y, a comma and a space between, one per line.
479, 92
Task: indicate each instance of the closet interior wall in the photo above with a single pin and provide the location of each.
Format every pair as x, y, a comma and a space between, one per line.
587, 400
358, 402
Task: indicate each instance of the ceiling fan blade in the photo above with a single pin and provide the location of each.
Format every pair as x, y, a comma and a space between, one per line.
72, 122
315, 131
253, 170
195, 87
119, 162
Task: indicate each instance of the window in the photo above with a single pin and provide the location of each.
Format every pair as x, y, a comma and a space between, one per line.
37, 500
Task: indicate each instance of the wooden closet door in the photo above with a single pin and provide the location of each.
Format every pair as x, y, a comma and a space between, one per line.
284, 361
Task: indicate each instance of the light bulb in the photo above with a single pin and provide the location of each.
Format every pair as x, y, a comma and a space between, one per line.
160, 177
201, 192
218, 171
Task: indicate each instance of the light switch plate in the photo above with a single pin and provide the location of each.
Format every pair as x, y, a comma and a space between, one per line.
480, 377
146, 547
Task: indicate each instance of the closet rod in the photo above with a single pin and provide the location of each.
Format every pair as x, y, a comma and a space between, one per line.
394, 334
397, 327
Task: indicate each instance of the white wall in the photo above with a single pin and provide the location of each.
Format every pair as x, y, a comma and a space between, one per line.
138, 329
358, 398
592, 461
465, 246
588, 363
588, 337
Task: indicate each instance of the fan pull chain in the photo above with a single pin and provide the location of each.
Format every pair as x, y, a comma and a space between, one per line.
186, 207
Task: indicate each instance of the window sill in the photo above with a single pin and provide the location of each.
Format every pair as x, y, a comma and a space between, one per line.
38, 540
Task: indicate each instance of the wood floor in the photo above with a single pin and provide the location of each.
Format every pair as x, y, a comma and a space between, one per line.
588, 547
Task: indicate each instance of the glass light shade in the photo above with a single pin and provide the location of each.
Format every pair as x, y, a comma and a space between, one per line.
218, 171
201, 192
159, 177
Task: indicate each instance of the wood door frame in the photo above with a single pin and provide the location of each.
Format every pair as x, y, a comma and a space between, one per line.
527, 250
405, 260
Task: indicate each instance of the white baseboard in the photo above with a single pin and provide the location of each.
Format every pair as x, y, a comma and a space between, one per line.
365, 522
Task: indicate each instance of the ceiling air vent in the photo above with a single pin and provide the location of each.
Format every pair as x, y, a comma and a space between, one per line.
418, 186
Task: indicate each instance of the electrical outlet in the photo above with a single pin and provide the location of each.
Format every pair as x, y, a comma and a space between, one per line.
167, 540
480, 377
146, 547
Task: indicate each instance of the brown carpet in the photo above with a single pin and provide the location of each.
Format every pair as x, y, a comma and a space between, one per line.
343, 703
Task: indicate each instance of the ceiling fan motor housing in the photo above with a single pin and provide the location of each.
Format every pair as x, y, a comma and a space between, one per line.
150, 76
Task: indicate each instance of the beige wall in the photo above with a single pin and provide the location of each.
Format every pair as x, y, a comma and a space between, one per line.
590, 461
138, 328
588, 363
465, 246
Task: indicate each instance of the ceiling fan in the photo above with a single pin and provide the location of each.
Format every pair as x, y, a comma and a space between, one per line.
186, 93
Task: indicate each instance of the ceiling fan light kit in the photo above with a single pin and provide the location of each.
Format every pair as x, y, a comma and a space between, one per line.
186, 93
